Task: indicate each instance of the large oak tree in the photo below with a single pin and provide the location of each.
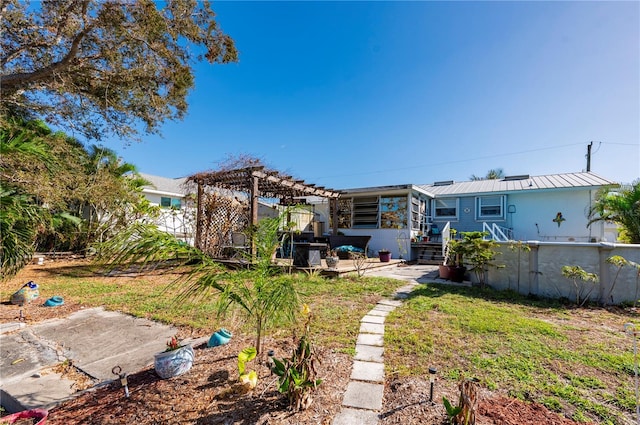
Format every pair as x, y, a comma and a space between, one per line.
102, 68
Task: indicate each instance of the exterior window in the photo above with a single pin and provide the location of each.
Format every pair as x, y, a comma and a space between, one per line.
490, 206
418, 213
393, 212
446, 208
166, 202
365, 212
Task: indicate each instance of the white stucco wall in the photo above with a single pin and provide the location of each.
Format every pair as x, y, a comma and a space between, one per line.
533, 218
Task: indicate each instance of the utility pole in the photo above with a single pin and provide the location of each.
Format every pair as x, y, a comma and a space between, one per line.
589, 156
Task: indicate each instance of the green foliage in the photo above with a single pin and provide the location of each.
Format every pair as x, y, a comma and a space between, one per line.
143, 244
478, 253
452, 411
492, 174
619, 262
19, 222
583, 282
620, 205
80, 196
297, 375
262, 294
102, 68
246, 355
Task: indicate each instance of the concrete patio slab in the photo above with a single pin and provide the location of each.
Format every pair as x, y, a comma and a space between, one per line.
95, 341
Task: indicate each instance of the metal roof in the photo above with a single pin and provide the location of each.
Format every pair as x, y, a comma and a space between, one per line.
517, 183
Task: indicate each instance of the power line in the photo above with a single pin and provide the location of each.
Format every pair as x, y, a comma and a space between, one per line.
449, 162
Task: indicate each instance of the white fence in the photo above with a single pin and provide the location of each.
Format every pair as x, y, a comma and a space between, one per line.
539, 271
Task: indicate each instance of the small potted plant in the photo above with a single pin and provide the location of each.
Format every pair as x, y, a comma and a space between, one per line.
453, 266
175, 360
384, 255
332, 259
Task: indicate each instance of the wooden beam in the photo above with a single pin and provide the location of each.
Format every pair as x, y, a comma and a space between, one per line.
254, 195
199, 216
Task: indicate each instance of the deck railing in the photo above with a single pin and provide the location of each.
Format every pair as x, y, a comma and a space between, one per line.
497, 233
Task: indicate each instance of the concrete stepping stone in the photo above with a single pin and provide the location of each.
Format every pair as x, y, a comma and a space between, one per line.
392, 303
383, 307
367, 371
376, 312
369, 353
373, 319
371, 328
363, 395
370, 339
355, 417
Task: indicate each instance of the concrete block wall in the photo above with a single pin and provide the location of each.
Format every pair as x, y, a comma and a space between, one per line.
539, 271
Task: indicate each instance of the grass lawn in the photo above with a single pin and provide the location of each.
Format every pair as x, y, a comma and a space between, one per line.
577, 361
337, 304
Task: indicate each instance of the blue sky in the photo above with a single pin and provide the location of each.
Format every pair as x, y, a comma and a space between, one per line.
359, 94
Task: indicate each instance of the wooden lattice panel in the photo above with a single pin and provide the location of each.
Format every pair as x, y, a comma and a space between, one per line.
220, 215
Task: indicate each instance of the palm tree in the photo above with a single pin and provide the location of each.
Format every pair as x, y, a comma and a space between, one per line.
20, 215
619, 205
20, 218
262, 293
493, 174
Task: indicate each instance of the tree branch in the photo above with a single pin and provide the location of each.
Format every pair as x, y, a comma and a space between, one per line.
15, 81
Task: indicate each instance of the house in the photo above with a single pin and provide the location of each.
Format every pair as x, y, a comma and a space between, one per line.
172, 197
543, 208
550, 208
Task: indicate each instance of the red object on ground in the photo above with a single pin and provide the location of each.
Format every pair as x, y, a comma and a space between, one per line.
27, 414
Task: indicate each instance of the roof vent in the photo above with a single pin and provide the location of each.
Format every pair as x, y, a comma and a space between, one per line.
444, 183
520, 177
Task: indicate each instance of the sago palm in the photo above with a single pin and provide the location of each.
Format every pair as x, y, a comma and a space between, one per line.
620, 206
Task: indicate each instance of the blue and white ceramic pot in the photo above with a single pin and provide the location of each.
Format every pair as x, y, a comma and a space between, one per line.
173, 363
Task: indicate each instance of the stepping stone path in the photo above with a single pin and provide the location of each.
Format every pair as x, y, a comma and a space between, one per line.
362, 400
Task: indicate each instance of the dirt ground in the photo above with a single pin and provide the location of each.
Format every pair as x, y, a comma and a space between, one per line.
210, 394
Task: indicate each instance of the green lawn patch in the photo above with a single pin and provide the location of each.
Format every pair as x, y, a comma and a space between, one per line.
568, 359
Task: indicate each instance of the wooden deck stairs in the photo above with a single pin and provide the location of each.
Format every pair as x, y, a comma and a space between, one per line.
428, 252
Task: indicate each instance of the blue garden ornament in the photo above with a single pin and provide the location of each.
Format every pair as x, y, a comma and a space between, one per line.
26, 294
54, 301
220, 337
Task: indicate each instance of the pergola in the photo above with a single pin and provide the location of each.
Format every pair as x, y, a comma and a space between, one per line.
257, 182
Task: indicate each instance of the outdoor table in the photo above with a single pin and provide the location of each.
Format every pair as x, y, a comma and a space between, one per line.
307, 254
